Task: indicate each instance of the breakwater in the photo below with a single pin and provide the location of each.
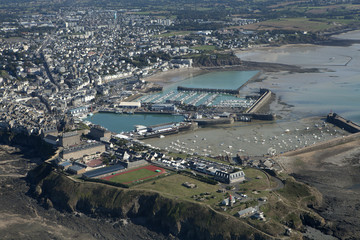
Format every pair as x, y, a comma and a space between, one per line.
343, 123
255, 77
210, 90
208, 121
258, 104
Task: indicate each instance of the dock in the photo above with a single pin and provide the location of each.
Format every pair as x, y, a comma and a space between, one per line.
258, 104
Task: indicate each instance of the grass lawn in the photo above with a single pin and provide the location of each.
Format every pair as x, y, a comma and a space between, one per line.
204, 47
133, 176
258, 181
172, 187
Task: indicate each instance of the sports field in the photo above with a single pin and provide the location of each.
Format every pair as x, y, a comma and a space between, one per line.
137, 174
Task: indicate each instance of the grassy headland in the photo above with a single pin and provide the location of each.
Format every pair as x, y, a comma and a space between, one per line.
167, 206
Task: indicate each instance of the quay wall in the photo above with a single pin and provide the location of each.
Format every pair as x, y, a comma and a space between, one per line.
133, 112
341, 122
256, 116
260, 102
206, 122
212, 90
267, 117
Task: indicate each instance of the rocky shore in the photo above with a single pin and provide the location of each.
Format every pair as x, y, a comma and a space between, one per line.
333, 168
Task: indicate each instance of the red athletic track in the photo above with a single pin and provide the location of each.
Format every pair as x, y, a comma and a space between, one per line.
149, 167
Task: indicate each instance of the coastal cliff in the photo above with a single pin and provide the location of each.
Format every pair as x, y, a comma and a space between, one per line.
182, 219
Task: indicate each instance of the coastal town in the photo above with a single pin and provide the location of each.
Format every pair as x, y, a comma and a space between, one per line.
89, 61
77, 63
88, 58
227, 146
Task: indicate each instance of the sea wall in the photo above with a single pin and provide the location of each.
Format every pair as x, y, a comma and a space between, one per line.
211, 90
343, 123
264, 99
256, 116
208, 121
253, 78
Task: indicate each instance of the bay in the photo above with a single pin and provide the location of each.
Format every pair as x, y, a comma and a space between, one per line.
336, 87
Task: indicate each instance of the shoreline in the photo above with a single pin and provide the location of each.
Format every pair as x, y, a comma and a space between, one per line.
175, 75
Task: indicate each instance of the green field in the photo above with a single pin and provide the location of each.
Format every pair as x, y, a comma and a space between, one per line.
132, 176
172, 187
204, 48
258, 180
300, 24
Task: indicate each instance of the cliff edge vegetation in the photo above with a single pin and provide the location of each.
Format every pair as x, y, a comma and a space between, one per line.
170, 214
180, 218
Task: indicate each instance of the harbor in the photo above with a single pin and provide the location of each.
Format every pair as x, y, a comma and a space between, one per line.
257, 138
214, 101
217, 89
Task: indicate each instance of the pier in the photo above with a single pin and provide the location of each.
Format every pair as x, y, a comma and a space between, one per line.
343, 123
258, 104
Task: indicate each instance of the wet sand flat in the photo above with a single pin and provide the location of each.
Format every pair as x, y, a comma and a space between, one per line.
252, 139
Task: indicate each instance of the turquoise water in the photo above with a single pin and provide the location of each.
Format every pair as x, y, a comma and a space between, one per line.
219, 80
125, 122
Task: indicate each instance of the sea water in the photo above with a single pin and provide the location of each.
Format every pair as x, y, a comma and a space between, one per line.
336, 87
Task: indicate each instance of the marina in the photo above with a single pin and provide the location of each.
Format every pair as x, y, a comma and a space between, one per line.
218, 89
295, 129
